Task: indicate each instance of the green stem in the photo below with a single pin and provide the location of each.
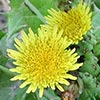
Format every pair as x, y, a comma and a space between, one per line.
6, 70
35, 10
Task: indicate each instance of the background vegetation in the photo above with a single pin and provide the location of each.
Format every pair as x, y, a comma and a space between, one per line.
30, 13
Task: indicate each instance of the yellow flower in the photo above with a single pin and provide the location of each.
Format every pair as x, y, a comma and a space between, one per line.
75, 23
43, 61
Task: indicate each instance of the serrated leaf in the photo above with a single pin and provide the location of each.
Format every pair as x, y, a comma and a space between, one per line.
91, 57
89, 81
90, 64
85, 46
85, 96
89, 87
93, 69
15, 4
90, 38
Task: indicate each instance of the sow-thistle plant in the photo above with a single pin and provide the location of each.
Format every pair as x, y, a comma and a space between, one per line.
43, 61
75, 23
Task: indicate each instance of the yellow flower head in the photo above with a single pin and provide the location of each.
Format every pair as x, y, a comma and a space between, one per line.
75, 23
43, 61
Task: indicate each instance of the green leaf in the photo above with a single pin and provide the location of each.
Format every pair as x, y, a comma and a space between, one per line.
89, 81
15, 4
3, 45
6, 43
90, 64
35, 10
89, 87
95, 21
98, 89
90, 38
85, 96
48, 95
6, 91
93, 69
1, 34
25, 14
3, 60
98, 78
14, 22
96, 49
85, 46
19, 19
6, 71
44, 5
20, 94
10, 90
97, 3
97, 34
31, 96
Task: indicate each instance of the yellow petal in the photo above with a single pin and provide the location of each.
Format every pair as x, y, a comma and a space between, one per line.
13, 69
15, 78
24, 37
59, 87
29, 89
63, 81
34, 88
76, 66
41, 92
24, 84
52, 86
69, 76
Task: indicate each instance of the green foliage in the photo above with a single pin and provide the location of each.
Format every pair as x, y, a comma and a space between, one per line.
90, 64
87, 44
26, 13
1, 34
89, 87
96, 16
97, 3
97, 49
6, 91
48, 95
97, 34
89, 48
